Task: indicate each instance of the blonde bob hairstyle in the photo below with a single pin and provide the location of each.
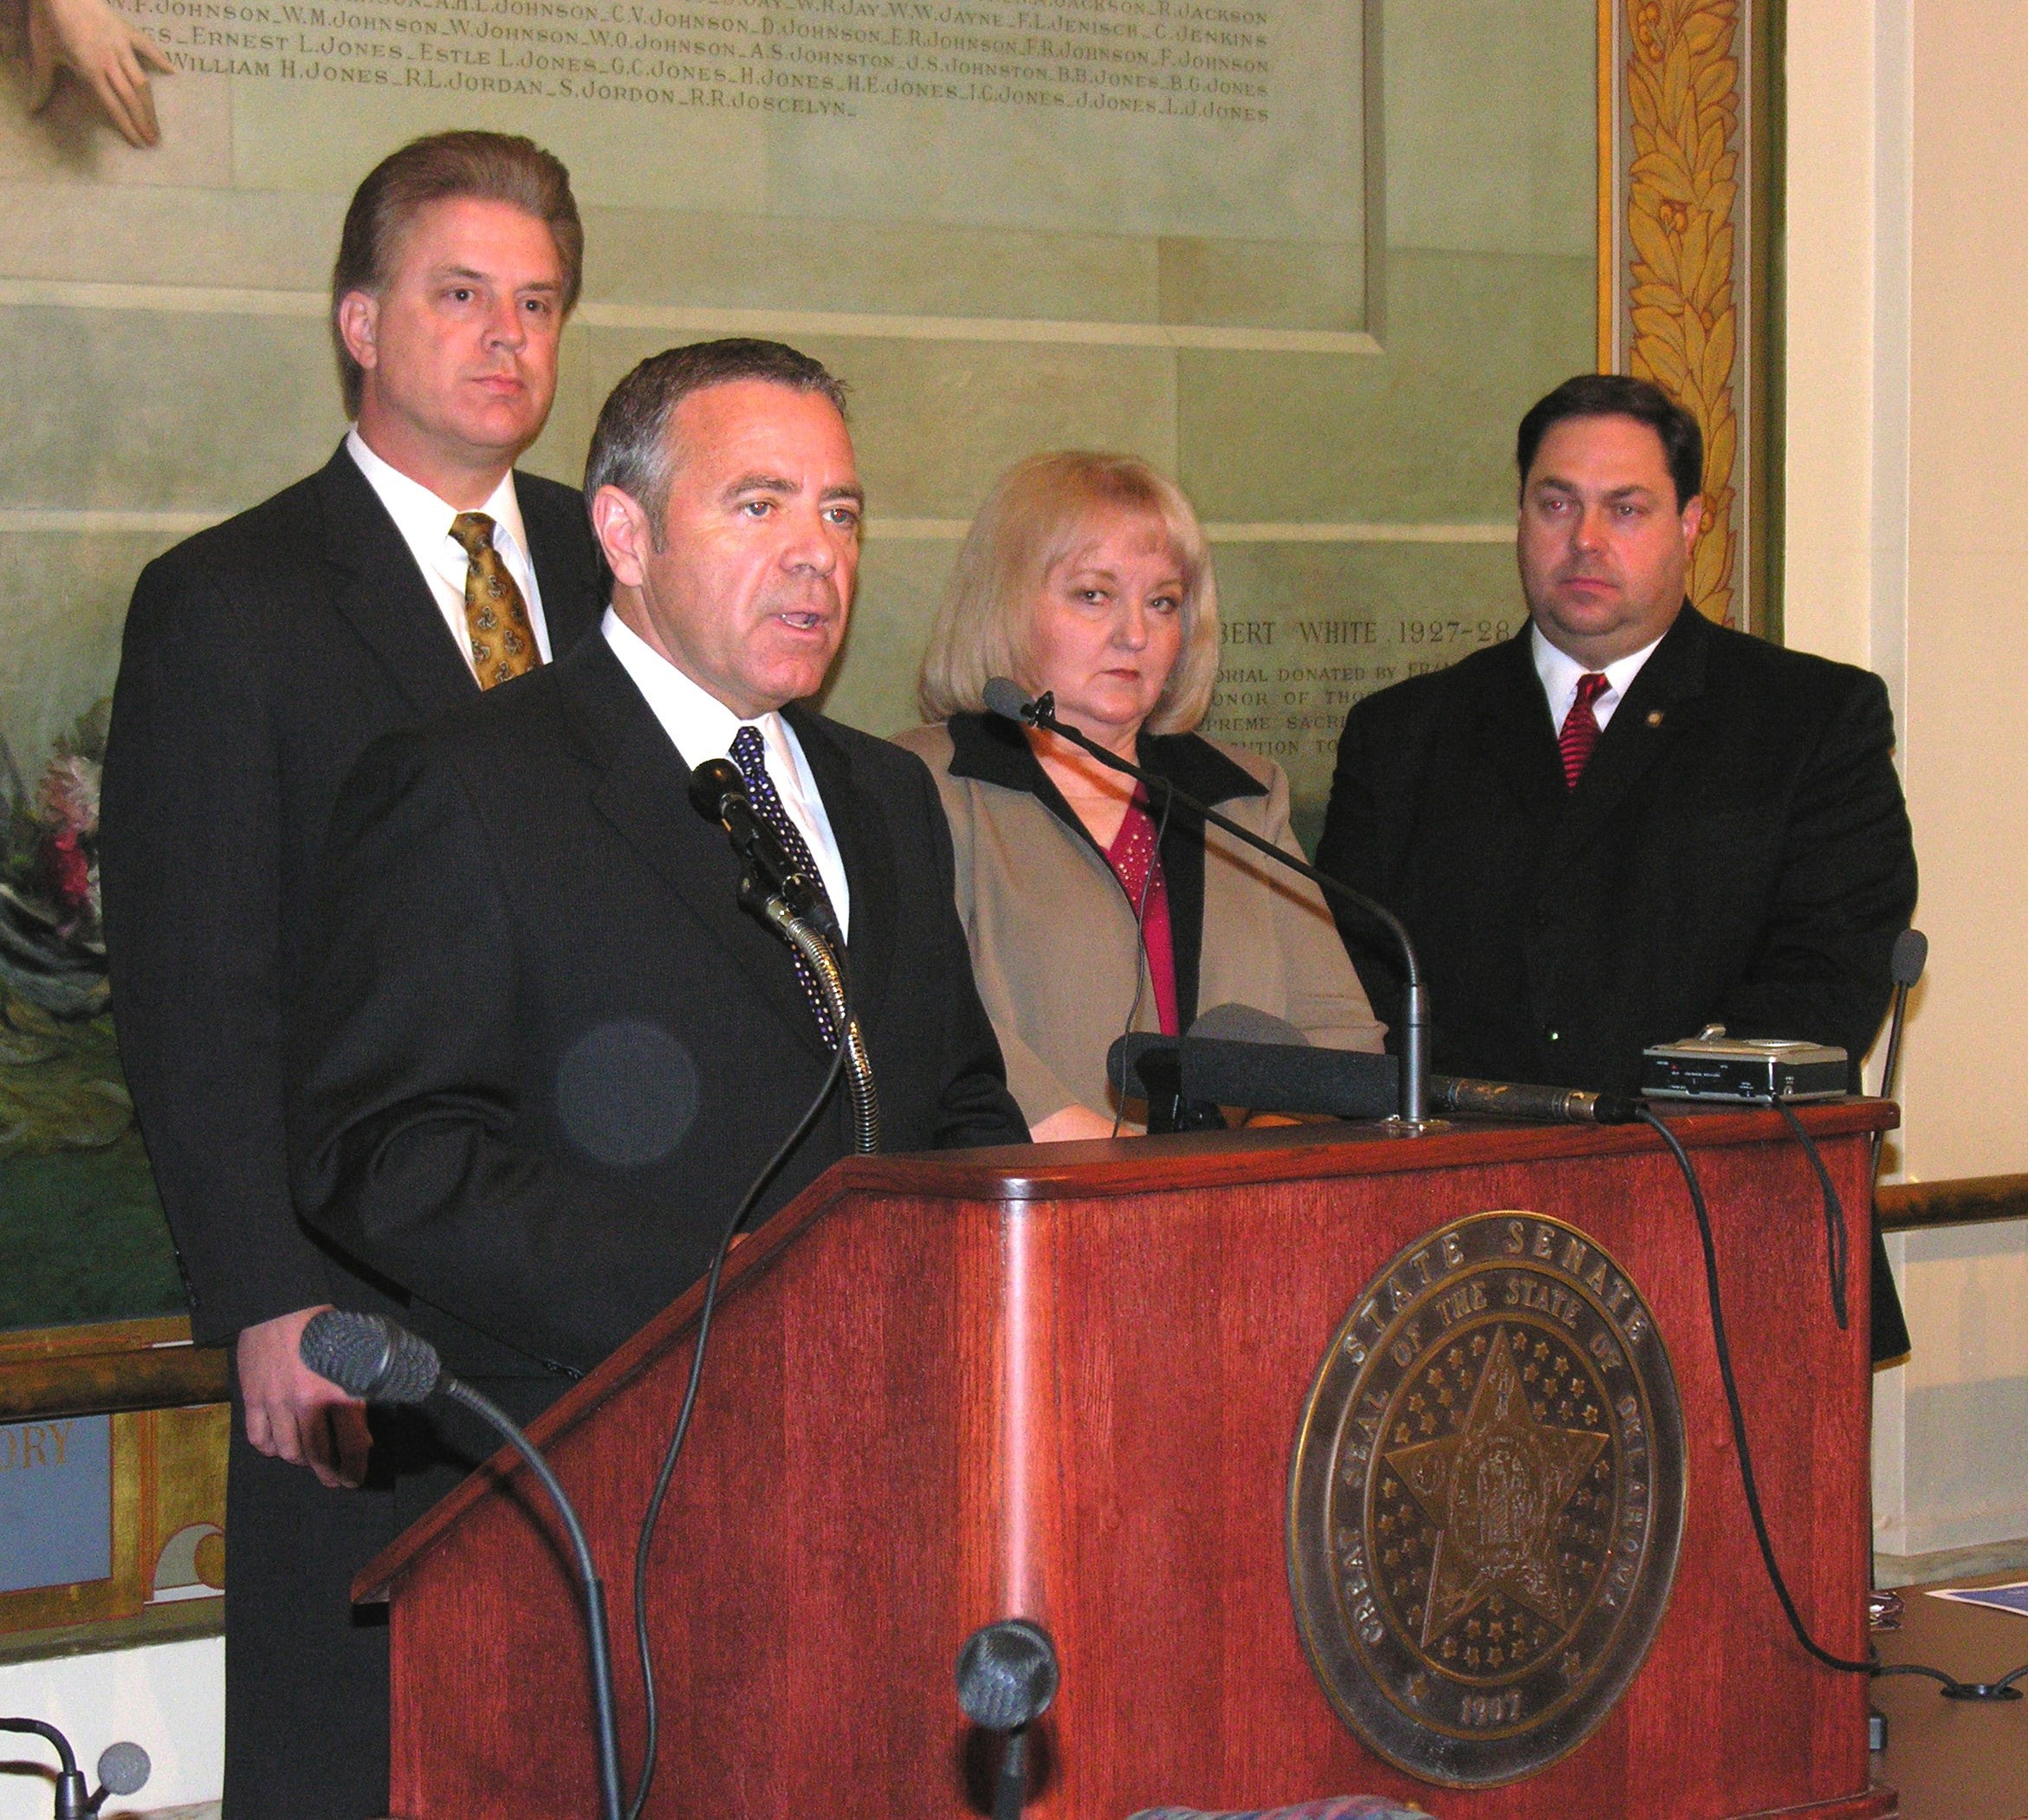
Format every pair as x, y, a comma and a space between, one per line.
1039, 514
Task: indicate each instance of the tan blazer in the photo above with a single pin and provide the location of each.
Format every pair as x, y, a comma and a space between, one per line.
1052, 931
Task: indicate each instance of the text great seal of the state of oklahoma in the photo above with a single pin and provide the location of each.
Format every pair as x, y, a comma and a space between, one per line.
1486, 1500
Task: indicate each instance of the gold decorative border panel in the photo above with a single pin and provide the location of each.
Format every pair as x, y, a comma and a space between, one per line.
1680, 289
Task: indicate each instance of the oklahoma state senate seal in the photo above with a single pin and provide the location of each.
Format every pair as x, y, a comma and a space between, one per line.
1486, 1498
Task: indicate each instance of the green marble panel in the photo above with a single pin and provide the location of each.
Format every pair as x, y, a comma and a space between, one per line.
901, 583
137, 410
62, 600
1424, 434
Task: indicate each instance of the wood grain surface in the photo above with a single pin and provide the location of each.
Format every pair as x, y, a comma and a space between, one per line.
1067, 1386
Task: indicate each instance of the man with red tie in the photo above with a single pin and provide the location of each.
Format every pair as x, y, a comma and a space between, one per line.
1625, 822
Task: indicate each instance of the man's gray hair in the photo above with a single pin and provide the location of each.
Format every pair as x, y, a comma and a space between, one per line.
632, 448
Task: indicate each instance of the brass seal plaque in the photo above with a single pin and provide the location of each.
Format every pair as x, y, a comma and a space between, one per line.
1486, 1500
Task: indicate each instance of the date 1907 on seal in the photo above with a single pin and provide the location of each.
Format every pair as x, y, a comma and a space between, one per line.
1486, 1500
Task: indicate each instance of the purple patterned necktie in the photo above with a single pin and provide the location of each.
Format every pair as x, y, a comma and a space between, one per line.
749, 753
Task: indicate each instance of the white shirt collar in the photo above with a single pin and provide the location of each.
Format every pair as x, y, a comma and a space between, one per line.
1559, 672
421, 517
700, 724
702, 727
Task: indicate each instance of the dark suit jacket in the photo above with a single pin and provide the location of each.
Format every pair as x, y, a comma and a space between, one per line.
260, 658
1736, 852
542, 1052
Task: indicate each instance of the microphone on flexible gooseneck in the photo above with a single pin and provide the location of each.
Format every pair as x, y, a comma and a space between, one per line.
122, 1769
1007, 699
718, 793
371, 1358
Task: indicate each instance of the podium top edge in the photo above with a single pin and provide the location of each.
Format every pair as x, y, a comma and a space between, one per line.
1099, 1169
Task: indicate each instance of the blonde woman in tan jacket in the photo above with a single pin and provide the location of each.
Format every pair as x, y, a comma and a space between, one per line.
1088, 575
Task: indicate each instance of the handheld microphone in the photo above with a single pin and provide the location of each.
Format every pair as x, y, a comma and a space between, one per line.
718, 793
371, 1358
122, 1769
1007, 699
1007, 1675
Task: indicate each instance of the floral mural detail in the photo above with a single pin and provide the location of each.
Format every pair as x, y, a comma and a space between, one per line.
1682, 91
60, 1086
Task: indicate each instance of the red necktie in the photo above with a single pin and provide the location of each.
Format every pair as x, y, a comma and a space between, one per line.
1580, 731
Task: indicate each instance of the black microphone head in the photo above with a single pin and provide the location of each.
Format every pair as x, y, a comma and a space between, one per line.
711, 783
123, 1768
368, 1356
1007, 1674
1911, 955
1007, 698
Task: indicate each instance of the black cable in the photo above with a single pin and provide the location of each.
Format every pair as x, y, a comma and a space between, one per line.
690, 1402
1144, 968
1953, 1688
1834, 1211
1834, 1218
1747, 1482
599, 1646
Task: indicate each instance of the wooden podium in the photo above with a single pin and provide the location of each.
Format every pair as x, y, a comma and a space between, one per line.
1065, 1383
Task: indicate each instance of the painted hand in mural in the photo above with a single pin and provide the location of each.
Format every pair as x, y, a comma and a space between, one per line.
101, 50
291, 1413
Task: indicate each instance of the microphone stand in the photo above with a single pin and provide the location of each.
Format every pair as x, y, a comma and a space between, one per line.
773, 909
1414, 1115
798, 910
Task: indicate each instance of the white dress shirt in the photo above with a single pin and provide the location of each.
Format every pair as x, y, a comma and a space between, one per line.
702, 727
425, 523
1559, 672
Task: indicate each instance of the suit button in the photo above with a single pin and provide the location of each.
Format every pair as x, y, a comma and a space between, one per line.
1550, 1035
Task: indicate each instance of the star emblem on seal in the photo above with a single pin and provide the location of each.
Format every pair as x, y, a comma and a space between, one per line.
1494, 1490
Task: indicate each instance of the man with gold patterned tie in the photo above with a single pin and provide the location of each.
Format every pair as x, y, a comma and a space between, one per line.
261, 657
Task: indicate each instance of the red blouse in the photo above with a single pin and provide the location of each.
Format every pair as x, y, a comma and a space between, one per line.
1136, 860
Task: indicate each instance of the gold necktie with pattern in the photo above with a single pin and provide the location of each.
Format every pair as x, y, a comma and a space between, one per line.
503, 643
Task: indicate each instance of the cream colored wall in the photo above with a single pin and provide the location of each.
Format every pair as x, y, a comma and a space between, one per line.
1908, 177
168, 1698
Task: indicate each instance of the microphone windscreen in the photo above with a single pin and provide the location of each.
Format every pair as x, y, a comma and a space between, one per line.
1123, 1058
1291, 1077
368, 1356
1234, 1023
1007, 698
1911, 955
1007, 1674
123, 1768
711, 783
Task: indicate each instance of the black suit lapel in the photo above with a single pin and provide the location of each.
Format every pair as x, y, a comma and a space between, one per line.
1515, 739
644, 792
867, 852
381, 592
565, 571
1662, 706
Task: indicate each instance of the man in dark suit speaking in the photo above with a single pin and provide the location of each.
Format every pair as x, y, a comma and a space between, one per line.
1625, 822
539, 1118
261, 657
